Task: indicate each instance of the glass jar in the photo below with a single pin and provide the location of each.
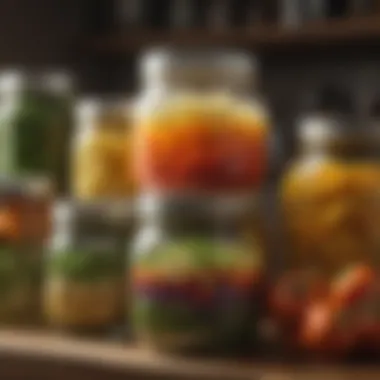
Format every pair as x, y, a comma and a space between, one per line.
197, 127
85, 286
35, 117
196, 276
24, 227
102, 158
328, 285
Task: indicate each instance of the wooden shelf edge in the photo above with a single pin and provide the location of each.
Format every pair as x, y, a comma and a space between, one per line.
340, 31
128, 360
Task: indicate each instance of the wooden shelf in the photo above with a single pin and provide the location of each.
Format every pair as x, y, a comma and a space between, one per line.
30, 355
330, 32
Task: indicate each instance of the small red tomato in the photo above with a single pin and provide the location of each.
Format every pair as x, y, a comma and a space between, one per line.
367, 327
293, 293
352, 284
327, 330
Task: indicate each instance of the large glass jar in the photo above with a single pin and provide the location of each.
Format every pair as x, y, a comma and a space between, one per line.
198, 127
102, 159
85, 279
196, 277
35, 117
24, 228
327, 294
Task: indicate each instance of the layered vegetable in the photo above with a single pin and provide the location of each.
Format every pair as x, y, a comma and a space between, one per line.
202, 143
194, 293
83, 289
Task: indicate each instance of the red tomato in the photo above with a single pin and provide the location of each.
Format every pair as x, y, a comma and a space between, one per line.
367, 308
352, 284
293, 293
327, 330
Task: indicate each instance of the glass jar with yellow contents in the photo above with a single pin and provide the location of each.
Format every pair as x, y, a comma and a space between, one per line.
315, 193
330, 200
101, 155
198, 126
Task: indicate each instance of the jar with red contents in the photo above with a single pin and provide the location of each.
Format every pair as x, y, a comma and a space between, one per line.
196, 276
199, 129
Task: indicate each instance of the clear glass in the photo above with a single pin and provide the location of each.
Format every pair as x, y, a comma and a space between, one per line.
35, 125
101, 155
24, 227
196, 278
198, 127
85, 279
325, 295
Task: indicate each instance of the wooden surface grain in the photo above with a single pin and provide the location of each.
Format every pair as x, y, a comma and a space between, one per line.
31, 355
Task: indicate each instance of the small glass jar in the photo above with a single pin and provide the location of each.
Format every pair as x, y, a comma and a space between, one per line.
101, 155
85, 287
198, 128
24, 228
196, 276
35, 114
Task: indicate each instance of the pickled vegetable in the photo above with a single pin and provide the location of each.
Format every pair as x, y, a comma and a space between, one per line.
20, 275
332, 212
195, 293
83, 290
202, 144
102, 164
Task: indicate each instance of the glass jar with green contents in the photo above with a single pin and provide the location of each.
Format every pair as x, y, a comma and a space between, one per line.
35, 123
24, 225
86, 269
196, 278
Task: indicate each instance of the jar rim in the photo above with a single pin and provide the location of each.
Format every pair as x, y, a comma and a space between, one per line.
167, 66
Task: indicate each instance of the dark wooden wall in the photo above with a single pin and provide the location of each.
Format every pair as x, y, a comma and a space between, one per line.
50, 33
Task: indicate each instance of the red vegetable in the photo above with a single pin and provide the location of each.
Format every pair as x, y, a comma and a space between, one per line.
352, 284
327, 330
294, 292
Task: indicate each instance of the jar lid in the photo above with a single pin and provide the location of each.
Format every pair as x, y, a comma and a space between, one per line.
12, 81
58, 81
94, 110
318, 130
230, 68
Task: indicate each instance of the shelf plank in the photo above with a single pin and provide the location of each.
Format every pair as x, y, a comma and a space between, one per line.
329, 32
38, 354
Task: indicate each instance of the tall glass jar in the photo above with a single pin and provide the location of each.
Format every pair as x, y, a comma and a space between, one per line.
327, 292
35, 123
196, 276
85, 278
24, 228
198, 126
101, 155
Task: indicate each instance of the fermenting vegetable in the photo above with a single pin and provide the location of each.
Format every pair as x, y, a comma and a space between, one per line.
102, 165
195, 293
82, 290
198, 129
203, 144
35, 126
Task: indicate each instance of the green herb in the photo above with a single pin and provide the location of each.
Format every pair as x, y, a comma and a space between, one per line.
85, 265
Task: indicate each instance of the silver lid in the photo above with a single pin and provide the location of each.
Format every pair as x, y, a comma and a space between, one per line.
226, 68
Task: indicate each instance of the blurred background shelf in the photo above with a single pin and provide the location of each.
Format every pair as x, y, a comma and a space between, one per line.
45, 356
333, 32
